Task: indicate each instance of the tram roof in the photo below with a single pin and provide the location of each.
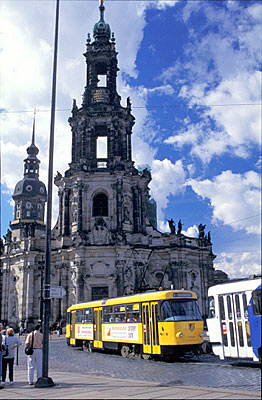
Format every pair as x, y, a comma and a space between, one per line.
146, 296
234, 286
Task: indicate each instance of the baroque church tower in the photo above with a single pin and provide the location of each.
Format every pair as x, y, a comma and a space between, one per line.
23, 247
102, 196
29, 197
105, 242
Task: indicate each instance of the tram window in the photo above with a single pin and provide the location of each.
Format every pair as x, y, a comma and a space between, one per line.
240, 334
79, 314
68, 318
248, 333
120, 317
88, 315
221, 307
257, 301
229, 307
84, 316
112, 314
238, 310
244, 298
232, 336
211, 307
133, 316
180, 310
224, 334
166, 311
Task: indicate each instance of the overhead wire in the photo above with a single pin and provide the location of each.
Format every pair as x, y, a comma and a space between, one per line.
3, 111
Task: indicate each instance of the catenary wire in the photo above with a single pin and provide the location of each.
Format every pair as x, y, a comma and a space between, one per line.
148, 107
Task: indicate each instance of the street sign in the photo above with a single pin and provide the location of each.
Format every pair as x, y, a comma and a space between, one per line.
57, 292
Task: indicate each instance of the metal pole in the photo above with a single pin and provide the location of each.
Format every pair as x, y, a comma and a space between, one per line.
46, 381
41, 295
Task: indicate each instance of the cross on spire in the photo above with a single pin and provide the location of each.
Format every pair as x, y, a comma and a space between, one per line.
102, 9
33, 133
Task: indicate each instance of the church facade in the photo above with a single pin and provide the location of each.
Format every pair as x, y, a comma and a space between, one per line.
105, 242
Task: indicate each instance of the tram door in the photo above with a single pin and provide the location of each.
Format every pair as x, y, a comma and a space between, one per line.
234, 325
242, 325
98, 327
150, 328
72, 327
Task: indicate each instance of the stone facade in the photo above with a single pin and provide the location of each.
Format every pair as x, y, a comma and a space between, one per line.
105, 242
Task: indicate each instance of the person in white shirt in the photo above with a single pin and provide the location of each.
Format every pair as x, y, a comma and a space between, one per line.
34, 362
11, 342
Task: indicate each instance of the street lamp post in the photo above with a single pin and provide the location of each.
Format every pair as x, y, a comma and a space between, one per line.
45, 380
41, 267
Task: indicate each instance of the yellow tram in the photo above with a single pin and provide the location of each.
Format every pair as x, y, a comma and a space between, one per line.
165, 323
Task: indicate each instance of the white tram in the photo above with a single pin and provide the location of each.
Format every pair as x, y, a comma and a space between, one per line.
228, 320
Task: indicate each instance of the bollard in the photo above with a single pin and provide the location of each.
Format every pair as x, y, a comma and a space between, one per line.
17, 348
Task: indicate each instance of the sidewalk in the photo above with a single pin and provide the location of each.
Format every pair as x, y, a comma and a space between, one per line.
92, 386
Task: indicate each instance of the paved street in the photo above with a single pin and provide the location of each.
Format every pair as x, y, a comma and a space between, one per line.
96, 375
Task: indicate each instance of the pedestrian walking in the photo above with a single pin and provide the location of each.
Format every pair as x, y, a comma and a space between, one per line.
11, 342
34, 361
1, 353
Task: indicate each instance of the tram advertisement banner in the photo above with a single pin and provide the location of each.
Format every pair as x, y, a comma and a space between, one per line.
122, 332
85, 331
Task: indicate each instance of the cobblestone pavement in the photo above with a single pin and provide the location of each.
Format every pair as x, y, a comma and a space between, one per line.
207, 371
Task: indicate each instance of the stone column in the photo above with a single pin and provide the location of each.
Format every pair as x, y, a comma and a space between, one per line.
66, 212
119, 196
29, 294
80, 209
129, 147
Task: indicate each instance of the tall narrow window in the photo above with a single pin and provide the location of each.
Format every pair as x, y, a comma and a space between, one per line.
100, 205
101, 147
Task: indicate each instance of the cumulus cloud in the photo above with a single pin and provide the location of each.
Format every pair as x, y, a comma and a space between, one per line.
234, 198
221, 82
167, 179
192, 231
26, 78
238, 265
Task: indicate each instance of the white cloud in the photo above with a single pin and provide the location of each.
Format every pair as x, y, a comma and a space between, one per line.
164, 89
235, 199
167, 179
219, 69
240, 264
192, 231
26, 78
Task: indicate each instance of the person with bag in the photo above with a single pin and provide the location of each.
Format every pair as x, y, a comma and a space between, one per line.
1, 353
33, 350
11, 342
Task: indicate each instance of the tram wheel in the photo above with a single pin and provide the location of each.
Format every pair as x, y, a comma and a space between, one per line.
125, 351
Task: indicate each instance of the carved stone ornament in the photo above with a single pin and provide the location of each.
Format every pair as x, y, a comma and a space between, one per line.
100, 233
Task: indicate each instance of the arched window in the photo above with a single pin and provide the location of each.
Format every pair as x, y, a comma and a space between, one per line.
100, 205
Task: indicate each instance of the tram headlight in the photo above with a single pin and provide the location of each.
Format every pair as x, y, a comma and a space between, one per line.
179, 334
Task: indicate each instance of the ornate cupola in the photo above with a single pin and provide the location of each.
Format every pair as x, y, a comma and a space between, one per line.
30, 195
102, 31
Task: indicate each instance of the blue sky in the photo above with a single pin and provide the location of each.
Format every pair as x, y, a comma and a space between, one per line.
193, 72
